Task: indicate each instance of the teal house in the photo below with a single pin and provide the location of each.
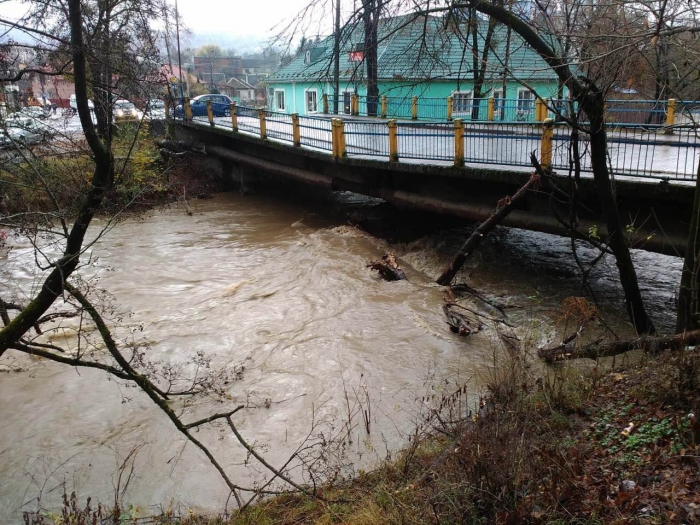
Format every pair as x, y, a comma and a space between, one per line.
429, 58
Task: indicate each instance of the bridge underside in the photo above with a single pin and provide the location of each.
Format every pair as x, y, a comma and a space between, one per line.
657, 215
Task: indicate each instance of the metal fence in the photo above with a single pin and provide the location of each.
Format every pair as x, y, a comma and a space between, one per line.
315, 133
525, 108
636, 150
367, 139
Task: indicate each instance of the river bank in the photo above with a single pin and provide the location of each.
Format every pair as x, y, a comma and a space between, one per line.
570, 447
278, 282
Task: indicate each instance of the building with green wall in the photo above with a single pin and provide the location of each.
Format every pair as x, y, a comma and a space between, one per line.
425, 57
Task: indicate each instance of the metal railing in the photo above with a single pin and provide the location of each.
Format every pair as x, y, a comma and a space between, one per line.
656, 152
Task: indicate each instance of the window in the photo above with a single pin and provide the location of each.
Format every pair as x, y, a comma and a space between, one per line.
462, 102
499, 104
526, 104
311, 101
279, 99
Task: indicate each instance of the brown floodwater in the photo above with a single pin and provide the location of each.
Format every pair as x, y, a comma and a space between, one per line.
276, 283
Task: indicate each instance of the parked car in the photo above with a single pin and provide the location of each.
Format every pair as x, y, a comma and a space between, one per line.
22, 132
220, 105
74, 103
33, 112
125, 111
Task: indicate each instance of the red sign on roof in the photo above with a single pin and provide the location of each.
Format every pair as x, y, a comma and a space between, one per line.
356, 56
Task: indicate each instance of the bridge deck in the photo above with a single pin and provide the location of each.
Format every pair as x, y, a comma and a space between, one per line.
635, 152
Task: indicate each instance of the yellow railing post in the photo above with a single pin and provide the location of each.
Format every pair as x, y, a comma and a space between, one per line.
490, 108
449, 108
210, 113
546, 145
383, 106
188, 110
324, 97
538, 110
414, 108
670, 114
234, 117
342, 150
459, 142
354, 105
263, 124
334, 138
296, 133
393, 141
338, 137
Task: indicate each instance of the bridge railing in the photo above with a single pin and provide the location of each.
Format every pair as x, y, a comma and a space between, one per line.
526, 108
634, 150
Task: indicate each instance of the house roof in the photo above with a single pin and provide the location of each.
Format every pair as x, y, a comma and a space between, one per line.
237, 83
417, 49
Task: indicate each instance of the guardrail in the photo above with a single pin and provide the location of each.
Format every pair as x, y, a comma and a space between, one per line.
493, 109
670, 153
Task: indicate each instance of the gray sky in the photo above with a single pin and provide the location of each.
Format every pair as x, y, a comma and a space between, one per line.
239, 17
233, 20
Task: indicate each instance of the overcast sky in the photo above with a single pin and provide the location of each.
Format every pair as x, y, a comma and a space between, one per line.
239, 20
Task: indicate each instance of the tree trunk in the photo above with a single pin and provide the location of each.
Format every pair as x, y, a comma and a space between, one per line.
652, 345
688, 315
370, 17
336, 57
480, 68
504, 208
593, 105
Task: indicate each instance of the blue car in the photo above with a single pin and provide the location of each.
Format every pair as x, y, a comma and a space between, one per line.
220, 105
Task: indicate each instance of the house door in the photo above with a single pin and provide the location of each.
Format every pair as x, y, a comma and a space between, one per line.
346, 102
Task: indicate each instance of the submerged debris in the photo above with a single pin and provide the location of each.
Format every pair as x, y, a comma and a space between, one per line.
388, 268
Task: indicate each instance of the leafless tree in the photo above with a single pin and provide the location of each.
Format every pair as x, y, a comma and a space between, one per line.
109, 47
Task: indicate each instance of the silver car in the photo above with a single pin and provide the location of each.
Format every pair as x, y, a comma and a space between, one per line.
22, 132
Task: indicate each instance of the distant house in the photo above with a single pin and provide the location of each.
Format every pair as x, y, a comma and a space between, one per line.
421, 57
238, 89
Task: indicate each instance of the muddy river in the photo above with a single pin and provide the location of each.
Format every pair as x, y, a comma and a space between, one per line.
277, 284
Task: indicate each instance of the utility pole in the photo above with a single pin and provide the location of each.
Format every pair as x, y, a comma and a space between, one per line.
336, 54
179, 58
211, 73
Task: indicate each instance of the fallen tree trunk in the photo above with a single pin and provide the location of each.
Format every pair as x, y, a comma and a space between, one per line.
388, 268
461, 323
652, 345
504, 207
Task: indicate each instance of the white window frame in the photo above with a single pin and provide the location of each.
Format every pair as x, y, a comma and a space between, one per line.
341, 102
284, 100
499, 104
524, 106
459, 108
306, 101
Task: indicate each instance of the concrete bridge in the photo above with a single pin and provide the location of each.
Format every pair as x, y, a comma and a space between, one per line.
656, 212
